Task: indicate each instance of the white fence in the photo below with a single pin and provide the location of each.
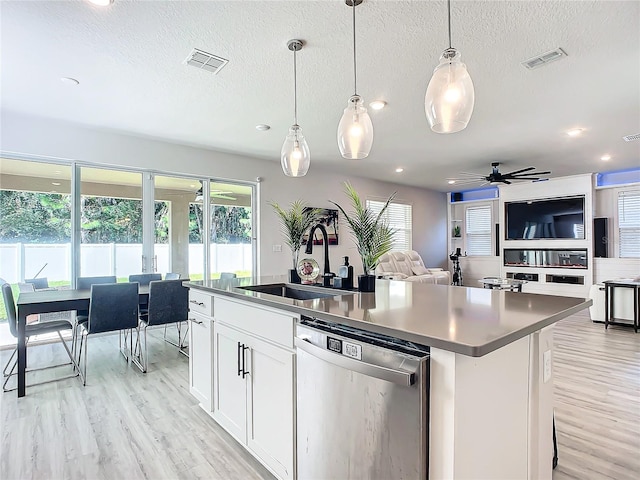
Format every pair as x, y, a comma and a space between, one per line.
23, 260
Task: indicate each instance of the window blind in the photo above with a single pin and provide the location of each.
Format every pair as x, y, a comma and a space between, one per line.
629, 223
398, 217
478, 230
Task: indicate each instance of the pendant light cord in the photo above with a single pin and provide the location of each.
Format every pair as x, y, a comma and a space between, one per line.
449, 9
355, 83
295, 90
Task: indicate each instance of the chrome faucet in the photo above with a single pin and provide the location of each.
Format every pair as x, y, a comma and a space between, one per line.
327, 275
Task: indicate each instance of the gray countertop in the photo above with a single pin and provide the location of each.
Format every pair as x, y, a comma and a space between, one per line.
465, 320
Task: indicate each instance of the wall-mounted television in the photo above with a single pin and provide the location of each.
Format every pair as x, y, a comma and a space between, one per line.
545, 219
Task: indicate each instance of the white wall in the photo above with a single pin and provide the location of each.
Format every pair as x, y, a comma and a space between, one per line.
30, 137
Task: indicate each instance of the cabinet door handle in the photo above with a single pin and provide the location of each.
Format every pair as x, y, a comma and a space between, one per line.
193, 320
240, 365
195, 302
245, 372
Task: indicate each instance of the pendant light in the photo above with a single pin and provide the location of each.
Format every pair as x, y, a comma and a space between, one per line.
449, 100
295, 157
355, 130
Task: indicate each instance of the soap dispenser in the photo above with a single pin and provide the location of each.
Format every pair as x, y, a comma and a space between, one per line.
346, 272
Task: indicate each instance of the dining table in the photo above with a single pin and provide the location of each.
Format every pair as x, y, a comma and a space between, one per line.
49, 301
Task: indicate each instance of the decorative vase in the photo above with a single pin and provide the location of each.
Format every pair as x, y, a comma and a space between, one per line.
293, 276
366, 283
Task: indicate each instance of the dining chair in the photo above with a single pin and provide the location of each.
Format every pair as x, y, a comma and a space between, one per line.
84, 283
112, 307
145, 278
40, 328
171, 276
38, 283
168, 303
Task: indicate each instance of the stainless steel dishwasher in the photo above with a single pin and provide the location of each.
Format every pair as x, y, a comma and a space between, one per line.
362, 404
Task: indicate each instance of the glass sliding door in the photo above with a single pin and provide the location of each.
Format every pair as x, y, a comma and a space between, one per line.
35, 222
110, 223
178, 214
231, 242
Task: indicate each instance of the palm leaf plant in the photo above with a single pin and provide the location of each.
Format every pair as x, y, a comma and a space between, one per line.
295, 222
371, 233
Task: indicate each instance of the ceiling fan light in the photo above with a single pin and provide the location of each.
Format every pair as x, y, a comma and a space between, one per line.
450, 95
295, 157
355, 130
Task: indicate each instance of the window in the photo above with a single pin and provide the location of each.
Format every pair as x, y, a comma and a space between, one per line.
478, 230
629, 223
398, 216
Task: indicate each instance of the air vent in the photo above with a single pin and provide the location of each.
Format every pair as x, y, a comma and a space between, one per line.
631, 138
543, 59
206, 61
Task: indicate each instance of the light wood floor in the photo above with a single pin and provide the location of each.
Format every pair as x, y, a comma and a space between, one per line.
125, 424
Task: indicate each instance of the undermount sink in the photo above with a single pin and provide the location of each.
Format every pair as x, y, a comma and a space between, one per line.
289, 291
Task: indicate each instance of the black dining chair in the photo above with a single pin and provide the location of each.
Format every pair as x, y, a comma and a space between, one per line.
38, 283
168, 303
42, 328
84, 283
112, 307
144, 279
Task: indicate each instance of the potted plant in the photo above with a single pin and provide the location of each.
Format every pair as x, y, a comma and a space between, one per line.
295, 221
371, 233
456, 231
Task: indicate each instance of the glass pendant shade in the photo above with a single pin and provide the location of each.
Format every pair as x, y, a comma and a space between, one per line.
355, 130
295, 158
449, 100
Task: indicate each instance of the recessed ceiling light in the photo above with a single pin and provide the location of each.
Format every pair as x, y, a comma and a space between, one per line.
605, 158
263, 127
70, 81
57, 172
56, 183
399, 170
574, 132
451, 182
378, 104
101, 3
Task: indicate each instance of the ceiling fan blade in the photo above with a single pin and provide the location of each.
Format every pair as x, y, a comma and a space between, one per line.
467, 182
469, 174
507, 182
532, 173
519, 171
529, 179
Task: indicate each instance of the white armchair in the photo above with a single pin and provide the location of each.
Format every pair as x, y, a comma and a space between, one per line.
408, 266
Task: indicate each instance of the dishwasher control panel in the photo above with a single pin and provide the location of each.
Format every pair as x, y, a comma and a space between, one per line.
345, 348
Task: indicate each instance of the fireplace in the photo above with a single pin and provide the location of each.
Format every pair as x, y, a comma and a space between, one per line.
546, 258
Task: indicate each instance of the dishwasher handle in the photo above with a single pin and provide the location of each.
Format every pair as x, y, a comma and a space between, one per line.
400, 377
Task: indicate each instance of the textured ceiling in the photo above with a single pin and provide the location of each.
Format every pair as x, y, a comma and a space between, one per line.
129, 59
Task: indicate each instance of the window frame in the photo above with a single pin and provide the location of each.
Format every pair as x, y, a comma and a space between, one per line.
620, 192
408, 232
467, 234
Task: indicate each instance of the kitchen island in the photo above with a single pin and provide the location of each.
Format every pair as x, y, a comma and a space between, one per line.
490, 396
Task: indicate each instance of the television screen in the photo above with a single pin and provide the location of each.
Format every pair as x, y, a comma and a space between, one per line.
549, 218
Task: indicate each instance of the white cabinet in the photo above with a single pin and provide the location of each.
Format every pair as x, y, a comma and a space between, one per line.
230, 384
270, 419
254, 382
200, 359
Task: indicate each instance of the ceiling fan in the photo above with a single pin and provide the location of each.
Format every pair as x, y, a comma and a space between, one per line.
214, 194
497, 177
